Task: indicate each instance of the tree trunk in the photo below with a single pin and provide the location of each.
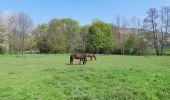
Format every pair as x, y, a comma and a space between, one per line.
22, 46
157, 49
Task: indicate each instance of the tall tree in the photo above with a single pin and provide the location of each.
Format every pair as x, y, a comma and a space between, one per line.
2, 31
100, 36
165, 24
158, 23
151, 22
19, 25
118, 24
116, 39
25, 24
40, 31
72, 33
56, 36
40, 38
84, 31
124, 26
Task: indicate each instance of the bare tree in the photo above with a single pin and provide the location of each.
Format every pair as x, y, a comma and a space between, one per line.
133, 24
138, 25
11, 23
25, 24
124, 26
158, 23
151, 23
118, 24
135, 27
2, 30
164, 25
18, 26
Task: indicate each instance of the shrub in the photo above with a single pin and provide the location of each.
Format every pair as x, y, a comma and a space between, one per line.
43, 46
2, 49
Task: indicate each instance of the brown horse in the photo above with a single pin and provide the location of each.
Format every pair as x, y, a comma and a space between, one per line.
80, 56
91, 56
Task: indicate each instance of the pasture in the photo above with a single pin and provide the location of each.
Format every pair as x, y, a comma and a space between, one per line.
50, 77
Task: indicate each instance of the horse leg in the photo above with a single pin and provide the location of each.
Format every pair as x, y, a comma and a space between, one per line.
80, 61
91, 58
94, 57
71, 60
84, 61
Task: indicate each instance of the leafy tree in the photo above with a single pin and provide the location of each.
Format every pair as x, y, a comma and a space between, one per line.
30, 44
43, 45
3, 45
84, 31
2, 49
61, 35
72, 33
100, 37
116, 39
40, 36
131, 45
40, 31
56, 36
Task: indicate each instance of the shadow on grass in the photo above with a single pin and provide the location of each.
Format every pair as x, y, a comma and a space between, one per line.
73, 64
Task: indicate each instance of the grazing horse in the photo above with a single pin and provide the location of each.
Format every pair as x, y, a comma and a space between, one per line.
91, 56
80, 56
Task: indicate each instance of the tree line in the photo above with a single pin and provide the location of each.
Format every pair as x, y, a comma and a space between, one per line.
132, 36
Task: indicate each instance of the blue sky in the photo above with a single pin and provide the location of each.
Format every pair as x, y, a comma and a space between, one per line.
84, 11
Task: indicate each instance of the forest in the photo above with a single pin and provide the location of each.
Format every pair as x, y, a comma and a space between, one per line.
133, 36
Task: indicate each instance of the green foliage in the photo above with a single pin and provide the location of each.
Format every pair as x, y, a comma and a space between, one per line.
48, 77
62, 35
43, 45
131, 45
40, 35
84, 31
143, 46
42, 27
2, 49
100, 36
136, 45
72, 34
56, 36
40, 31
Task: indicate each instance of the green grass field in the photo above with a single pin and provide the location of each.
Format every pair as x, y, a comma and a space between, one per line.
50, 77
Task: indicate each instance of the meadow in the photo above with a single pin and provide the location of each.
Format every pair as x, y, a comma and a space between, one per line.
50, 77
